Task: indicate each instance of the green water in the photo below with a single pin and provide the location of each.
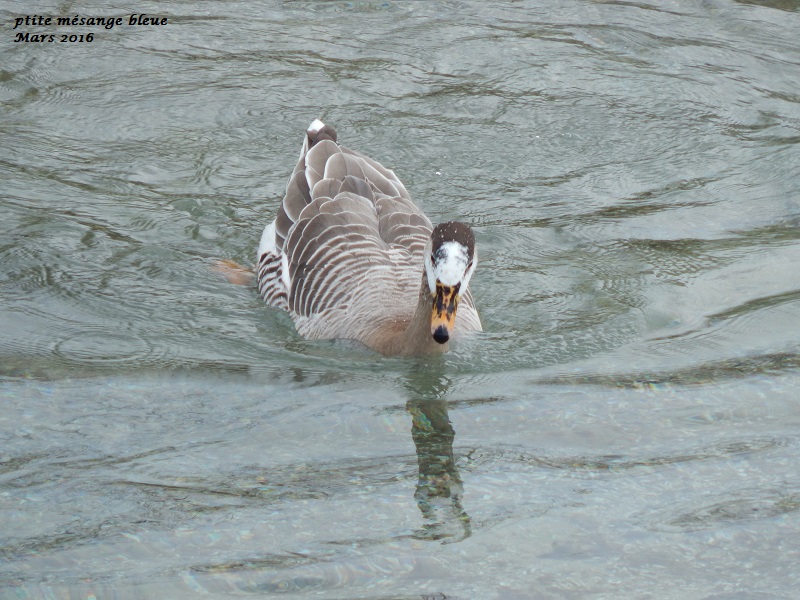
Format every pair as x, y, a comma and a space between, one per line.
628, 424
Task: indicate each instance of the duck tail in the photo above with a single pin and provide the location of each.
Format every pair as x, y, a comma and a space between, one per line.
319, 131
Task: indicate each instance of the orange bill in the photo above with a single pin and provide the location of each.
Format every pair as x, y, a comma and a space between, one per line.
443, 316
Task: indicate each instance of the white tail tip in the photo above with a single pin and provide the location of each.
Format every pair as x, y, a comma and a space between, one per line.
315, 126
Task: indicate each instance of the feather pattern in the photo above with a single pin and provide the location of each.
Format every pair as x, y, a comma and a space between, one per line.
345, 253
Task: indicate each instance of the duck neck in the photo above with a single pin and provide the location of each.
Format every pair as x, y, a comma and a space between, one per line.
415, 338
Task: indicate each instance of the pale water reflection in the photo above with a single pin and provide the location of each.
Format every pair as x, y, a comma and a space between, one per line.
223, 486
626, 427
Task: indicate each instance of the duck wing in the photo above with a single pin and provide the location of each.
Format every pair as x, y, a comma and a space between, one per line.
346, 248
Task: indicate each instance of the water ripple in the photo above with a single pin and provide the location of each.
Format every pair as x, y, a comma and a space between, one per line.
102, 347
715, 511
496, 458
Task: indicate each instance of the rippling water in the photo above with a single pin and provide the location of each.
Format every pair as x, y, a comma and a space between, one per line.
628, 424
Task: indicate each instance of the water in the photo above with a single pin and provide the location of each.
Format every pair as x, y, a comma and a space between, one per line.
626, 427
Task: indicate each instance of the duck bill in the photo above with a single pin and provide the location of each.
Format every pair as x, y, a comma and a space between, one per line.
443, 316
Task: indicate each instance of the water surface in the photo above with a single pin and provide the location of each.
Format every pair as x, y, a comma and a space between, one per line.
626, 427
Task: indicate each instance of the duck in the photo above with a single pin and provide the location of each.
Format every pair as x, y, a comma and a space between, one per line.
350, 256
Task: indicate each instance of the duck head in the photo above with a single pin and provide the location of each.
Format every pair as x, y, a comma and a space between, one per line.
450, 261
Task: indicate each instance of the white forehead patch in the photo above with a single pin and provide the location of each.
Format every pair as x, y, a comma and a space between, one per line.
450, 264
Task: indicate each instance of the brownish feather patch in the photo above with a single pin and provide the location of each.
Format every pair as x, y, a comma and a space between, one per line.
234, 272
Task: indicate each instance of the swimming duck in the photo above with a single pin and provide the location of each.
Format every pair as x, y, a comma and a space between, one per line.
350, 256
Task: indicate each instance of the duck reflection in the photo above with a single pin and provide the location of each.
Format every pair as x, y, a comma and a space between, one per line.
439, 487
